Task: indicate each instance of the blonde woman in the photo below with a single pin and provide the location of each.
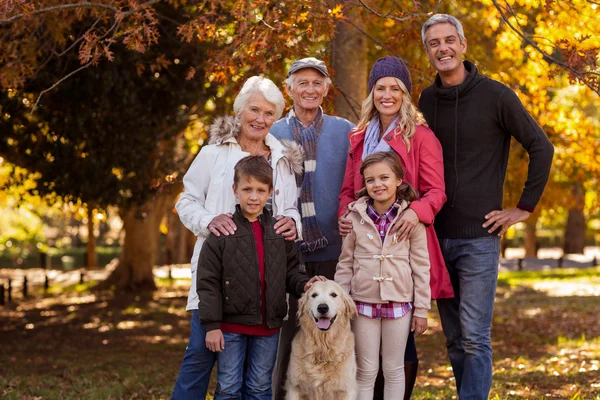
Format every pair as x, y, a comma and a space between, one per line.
390, 122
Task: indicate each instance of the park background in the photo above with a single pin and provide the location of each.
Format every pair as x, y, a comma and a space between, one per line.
104, 104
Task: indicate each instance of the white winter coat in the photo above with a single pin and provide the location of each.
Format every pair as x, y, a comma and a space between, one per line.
208, 185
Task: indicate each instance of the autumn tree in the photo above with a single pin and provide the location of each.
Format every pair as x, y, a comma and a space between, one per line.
110, 134
558, 46
533, 47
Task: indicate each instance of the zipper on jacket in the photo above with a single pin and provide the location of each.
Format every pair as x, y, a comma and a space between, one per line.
257, 265
455, 148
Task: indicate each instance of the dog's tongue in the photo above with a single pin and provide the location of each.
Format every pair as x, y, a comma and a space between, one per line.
323, 323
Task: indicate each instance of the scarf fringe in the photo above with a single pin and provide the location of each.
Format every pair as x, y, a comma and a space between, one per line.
313, 245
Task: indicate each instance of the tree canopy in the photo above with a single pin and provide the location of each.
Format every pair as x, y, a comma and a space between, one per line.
101, 99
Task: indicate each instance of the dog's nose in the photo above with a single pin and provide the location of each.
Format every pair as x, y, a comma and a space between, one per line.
323, 308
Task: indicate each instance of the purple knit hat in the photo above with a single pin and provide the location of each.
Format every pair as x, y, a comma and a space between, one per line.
389, 66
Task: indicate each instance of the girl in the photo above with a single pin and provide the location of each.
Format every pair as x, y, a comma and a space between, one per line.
390, 122
387, 278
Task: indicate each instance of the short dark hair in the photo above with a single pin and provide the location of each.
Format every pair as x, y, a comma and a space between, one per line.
254, 167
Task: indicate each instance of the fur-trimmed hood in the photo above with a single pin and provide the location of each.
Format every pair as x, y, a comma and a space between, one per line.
226, 129
223, 129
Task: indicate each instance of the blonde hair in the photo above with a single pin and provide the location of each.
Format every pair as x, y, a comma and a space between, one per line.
409, 119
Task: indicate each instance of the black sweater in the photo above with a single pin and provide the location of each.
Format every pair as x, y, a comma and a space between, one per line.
474, 122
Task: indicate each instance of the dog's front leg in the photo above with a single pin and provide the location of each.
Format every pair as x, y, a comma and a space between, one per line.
292, 393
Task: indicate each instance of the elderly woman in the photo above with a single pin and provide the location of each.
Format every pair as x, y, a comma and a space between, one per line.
208, 201
390, 122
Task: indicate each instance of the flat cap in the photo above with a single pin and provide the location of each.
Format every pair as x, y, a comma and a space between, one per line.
309, 62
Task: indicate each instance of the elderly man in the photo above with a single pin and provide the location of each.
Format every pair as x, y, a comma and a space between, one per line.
474, 118
324, 140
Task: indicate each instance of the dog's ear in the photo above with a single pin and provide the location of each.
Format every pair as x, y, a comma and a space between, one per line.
302, 306
349, 305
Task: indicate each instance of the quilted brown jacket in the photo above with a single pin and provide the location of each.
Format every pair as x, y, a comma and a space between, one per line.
228, 279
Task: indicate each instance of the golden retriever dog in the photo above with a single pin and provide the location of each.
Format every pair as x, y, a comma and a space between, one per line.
323, 361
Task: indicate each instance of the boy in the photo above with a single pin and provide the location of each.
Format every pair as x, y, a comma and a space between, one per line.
242, 281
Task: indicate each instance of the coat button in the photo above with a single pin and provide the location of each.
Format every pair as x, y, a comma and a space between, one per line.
276, 192
227, 282
388, 137
226, 298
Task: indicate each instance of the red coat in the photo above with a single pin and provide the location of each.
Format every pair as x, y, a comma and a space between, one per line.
424, 167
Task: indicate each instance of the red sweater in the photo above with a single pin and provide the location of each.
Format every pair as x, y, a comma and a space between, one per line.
262, 329
424, 170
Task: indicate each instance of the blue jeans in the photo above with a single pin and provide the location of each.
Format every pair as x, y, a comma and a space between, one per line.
197, 365
246, 364
467, 319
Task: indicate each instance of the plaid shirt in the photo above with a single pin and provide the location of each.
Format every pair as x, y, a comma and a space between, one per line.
382, 221
387, 310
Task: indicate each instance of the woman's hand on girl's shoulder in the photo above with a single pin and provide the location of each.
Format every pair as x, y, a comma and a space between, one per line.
405, 226
418, 325
344, 225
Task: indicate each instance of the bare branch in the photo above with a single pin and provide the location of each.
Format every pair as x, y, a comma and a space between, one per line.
84, 4
388, 48
579, 74
64, 78
403, 18
78, 40
349, 100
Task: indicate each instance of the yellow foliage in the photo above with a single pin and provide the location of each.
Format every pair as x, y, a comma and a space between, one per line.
303, 16
336, 12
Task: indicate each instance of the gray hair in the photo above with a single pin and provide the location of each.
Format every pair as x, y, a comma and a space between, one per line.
442, 19
290, 80
263, 86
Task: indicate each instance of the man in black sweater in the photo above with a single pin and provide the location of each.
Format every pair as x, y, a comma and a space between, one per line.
474, 118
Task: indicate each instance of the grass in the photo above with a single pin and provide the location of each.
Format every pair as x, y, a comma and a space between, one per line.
75, 343
104, 255
545, 336
515, 278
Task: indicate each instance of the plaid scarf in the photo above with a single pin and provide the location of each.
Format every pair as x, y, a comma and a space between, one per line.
313, 239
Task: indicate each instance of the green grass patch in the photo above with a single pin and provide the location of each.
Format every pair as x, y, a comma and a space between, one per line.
516, 278
74, 288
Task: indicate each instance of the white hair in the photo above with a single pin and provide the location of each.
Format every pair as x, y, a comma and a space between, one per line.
264, 86
291, 79
442, 19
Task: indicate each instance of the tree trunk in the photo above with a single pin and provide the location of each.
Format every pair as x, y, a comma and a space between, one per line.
180, 241
575, 228
90, 258
140, 248
531, 245
349, 62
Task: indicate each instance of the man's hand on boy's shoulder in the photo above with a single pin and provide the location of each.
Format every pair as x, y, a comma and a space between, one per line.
215, 341
286, 227
313, 280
